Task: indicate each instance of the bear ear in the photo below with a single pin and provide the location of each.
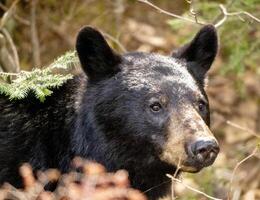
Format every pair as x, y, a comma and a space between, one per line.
200, 52
97, 59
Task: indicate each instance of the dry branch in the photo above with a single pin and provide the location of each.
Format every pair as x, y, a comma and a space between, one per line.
194, 14
9, 39
238, 14
12, 66
171, 14
115, 40
243, 128
6, 60
148, 190
16, 17
191, 188
175, 176
192, 10
236, 167
8, 13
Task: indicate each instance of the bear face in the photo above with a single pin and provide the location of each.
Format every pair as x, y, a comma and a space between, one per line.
152, 101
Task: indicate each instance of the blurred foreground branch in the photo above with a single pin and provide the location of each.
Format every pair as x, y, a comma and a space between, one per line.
92, 183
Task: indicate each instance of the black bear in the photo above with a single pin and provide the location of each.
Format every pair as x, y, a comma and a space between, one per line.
143, 112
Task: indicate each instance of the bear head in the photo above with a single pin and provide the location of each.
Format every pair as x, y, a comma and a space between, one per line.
152, 101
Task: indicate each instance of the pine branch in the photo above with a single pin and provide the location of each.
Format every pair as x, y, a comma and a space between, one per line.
39, 81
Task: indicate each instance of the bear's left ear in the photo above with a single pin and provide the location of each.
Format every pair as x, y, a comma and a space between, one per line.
97, 59
200, 52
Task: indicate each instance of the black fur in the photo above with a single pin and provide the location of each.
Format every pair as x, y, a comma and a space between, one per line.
106, 116
97, 58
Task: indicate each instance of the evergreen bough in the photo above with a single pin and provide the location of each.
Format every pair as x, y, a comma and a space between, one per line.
39, 81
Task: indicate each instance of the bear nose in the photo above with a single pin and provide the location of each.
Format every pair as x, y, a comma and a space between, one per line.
205, 152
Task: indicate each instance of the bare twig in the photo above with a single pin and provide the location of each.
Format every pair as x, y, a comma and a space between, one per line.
172, 185
34, 36
172, 191
8, 38
192, 10
175, 176
236, 167
171, 14
238, 14
16, 17
243, 128
148, 190
115, 40
118, 10
218, 17
72, 10
194, 14
8, 13
6, 60
257, 127
191, 188
60, 30
13, 48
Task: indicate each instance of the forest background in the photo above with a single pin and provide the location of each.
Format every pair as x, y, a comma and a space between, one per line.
34, 33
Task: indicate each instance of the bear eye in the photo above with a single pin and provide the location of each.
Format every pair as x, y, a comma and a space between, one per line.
202, 106
156, 107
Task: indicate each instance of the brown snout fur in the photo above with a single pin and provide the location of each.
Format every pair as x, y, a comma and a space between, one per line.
190, 127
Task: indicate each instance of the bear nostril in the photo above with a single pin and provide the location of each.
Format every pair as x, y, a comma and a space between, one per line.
202, 150
205, 151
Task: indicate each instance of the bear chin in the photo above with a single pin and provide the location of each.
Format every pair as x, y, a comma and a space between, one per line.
190, 169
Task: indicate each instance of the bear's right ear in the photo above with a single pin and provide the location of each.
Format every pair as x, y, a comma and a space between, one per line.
97, 59
200, 52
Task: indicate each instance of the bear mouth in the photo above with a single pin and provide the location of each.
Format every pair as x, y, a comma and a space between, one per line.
193, 166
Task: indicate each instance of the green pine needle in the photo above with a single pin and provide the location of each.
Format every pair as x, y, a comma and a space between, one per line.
39, 81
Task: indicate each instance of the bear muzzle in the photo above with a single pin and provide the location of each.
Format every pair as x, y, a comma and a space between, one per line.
201, 153
191, 145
